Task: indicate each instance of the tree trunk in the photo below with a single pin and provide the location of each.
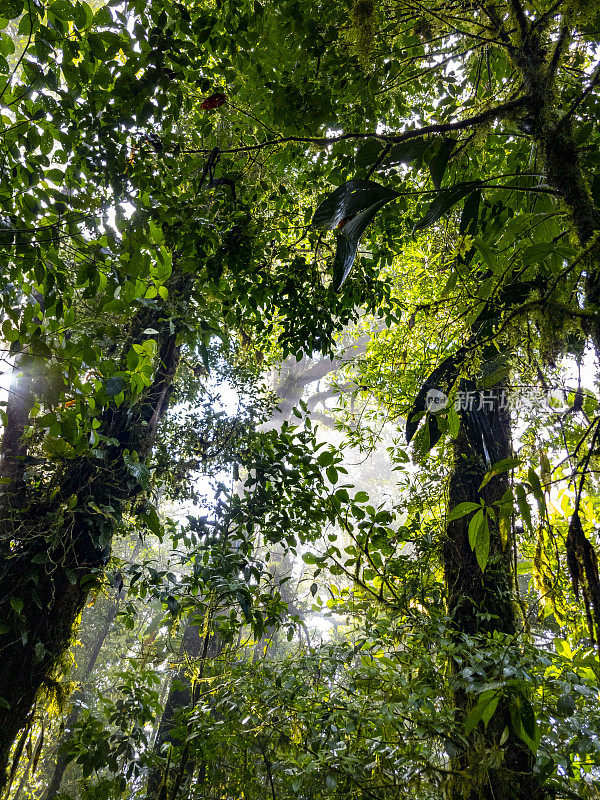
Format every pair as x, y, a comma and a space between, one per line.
54, 554
79, 695
196, 646
480, 604
552, 131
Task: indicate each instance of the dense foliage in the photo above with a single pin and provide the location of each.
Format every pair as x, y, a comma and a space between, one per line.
222, 223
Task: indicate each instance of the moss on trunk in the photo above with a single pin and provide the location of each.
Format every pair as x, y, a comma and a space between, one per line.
496, 762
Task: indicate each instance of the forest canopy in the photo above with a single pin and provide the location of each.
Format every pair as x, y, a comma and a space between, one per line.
300, 337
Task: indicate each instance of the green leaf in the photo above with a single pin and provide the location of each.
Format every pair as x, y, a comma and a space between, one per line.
368, 153
523, 720
17, 604
534, 481
332, 474
151, 518
7, 46
498, 468
439, 162
325, 458
565, 706
406, 153
441, 380
504, 526
62, 9
523, 505
55, 447
470, 215
489, 710
114, 385
475, 715
443, 203
139, 471
453, 422
528, 720
475, 525
462, 509
133, 359
172, 604
482, 546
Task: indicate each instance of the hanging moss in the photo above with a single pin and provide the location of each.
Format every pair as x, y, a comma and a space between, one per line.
363, 18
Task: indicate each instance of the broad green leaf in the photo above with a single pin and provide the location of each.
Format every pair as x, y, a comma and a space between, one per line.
489, 710
17, 604
497, 469
114, 385
504, 530
523, 505
475, 715
151, 518
462, 509
482, 545
368, 153
475, 525
470, 214
439, 162
137, 469
55, 447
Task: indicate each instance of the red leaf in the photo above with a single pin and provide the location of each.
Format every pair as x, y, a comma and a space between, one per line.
214, 101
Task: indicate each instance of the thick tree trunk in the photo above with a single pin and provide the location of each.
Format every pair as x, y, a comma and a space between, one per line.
79, 695
53, 555
552, 131
480, 604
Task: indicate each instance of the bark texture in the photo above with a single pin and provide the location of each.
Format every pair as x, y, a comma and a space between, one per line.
54, 554
481, 605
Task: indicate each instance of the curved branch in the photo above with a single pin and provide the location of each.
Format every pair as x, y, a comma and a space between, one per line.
396, 138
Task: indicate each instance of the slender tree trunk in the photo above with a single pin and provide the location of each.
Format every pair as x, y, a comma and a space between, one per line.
480, 604
197, 646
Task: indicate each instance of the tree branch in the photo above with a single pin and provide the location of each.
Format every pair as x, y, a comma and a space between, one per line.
558, 51
576, 103
520, 17
396, 138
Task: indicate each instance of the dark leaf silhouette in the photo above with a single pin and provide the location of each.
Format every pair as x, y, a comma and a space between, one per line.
444, 202
350, 208
470, 214
442, 378
438, 164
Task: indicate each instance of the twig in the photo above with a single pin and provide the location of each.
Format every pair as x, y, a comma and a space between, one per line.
581, 98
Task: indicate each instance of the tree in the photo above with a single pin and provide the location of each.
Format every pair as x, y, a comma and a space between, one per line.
409, 109
97, 316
